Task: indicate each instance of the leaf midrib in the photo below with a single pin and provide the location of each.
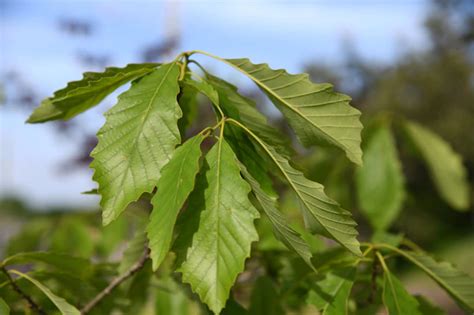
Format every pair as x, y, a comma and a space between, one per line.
284, 173
426, 270
145, 118
277, 96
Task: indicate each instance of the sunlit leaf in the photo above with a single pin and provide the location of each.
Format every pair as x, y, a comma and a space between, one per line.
380, 182
137, 140
174, 186
79, 96
445, 165
225, 228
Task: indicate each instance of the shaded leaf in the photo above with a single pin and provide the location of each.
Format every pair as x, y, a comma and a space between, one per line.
188, 102
244, 110
283, 232
79, 96
135, 249
316, 113
380, 181
397, 300
427, 308
225, 229
4, 308
265, 299
64, 307
457, 283
76, 266
321, 213
445, 165
331, 295
174, 186
137, 140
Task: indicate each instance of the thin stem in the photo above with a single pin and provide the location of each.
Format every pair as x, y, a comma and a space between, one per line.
198, 65
25, 296
116, 282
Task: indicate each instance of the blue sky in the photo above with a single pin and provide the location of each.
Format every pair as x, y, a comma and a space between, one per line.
286, 34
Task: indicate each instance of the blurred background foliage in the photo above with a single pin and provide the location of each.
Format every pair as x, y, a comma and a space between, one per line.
433, 87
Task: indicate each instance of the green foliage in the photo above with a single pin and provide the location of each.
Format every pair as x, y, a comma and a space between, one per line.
177, 183
316, 113
225, 229
79, 96
4, 308
397, 300
331, 295
444, 164
192, 203
457, 283
64, 307
380, 182
137, 140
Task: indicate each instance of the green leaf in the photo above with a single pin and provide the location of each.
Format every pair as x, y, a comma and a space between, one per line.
331, 295
316, 113
427, 308
79, 267
244, 110
234, 308
79, 96
445, 165
171, 299
188, 102
380, 181
225, 229
201, 85
283, 232
137, 140
175, 185
135, 249
321, 213
64, 307
4, 308
397, 300
457, 283
265, 299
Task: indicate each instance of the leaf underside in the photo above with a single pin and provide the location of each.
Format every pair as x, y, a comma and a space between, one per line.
316, 113
283, 232
322, 214
397, 300
137, 140
79, 96
457, 283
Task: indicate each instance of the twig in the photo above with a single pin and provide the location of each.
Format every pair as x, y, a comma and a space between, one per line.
116, 282
373, 282
25, 296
